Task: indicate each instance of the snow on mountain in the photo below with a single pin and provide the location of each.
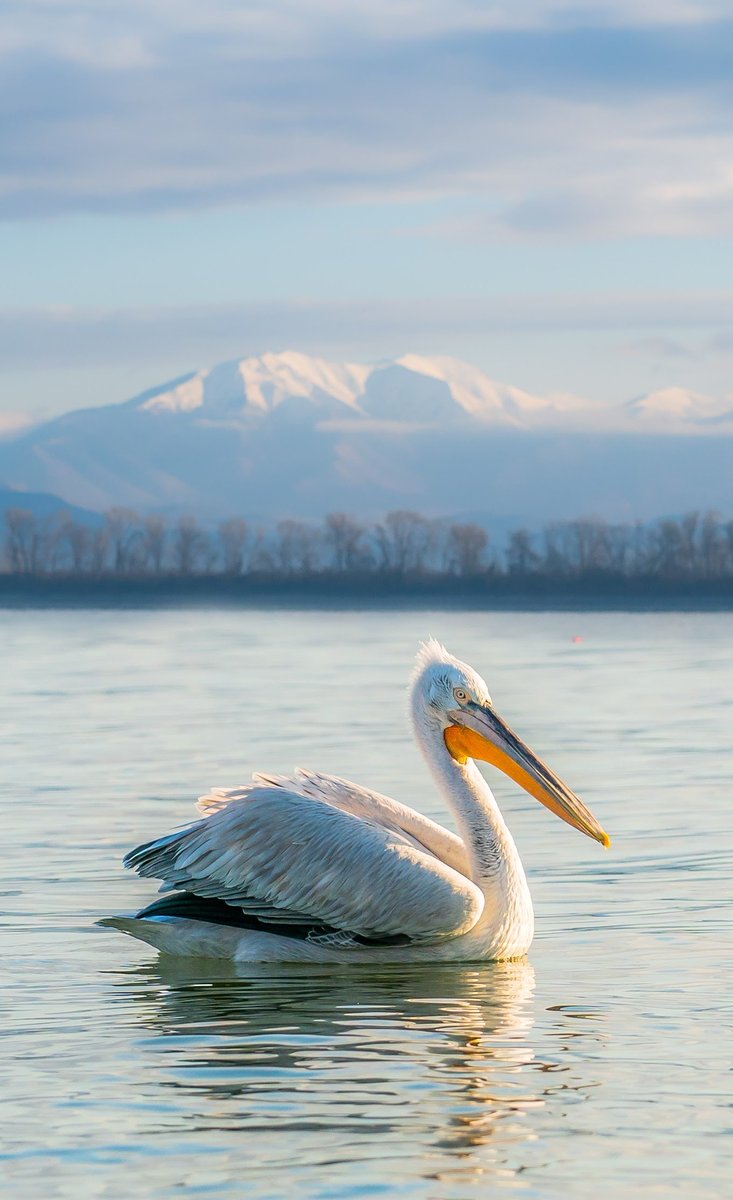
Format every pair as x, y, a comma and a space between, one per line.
679, 405
411, 389
186, 395
254, 387
274, 378
478, 396
288, 434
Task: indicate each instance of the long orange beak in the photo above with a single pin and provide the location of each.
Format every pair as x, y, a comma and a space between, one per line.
479, 732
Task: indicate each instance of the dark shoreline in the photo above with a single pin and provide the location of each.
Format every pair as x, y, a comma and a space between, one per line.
370, 592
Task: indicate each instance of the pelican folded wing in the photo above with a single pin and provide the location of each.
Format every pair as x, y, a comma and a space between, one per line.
283, 857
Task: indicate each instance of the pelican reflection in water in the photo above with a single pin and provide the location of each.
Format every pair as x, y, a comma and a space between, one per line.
315, 868
437, 1056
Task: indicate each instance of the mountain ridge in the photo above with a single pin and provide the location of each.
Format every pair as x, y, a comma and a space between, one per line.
289, 434
257, 385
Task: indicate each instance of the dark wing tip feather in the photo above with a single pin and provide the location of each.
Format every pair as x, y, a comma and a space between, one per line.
160, 853
194, 907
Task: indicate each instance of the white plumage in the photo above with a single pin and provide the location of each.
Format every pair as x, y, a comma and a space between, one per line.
311, 867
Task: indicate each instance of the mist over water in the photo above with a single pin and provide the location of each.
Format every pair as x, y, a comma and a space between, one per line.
604, 1058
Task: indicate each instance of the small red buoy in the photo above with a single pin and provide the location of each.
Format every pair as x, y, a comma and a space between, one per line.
577, 638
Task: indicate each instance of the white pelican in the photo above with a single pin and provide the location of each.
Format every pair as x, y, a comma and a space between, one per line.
314, 868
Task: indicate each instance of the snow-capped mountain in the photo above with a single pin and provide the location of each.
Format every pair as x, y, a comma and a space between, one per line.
412, 389
254, 388
290, 434
680, 406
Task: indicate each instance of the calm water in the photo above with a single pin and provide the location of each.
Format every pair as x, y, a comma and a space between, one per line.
601, 1067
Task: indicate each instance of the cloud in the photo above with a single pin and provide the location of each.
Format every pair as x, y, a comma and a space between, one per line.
549, 119
49, 338
658, 348
134, 31
721, 344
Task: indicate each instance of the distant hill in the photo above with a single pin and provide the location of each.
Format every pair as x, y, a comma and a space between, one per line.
41, 504
290, 434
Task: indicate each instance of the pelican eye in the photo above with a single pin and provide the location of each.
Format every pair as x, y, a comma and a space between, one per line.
461, 695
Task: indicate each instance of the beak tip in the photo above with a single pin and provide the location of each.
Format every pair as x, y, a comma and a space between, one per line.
605, 841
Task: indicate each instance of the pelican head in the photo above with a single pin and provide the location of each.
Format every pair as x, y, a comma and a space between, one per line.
449, 698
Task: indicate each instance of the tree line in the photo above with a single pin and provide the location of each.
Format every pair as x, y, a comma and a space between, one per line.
697, 546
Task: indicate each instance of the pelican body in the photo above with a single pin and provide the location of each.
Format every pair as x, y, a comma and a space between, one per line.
313, 868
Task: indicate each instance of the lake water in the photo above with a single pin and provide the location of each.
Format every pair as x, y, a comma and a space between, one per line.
599, 1068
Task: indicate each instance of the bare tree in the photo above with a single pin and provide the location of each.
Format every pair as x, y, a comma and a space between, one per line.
286, 552
53, 547
123, 528
189, 544
712, 548
345, 537
100, 549
694, 546
208, 556
261, 556
668, 558
555, 560
404, 541
521, 556
77, 539
466, 548
640, 550
233, 537
620, 548
587, 543
298, 547
441, 548
23, 541
727, 532
154, 537
689, 526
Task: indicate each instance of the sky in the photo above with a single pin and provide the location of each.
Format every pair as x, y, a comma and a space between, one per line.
544, 189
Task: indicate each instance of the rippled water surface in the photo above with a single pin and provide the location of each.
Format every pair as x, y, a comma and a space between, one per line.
599, 1068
